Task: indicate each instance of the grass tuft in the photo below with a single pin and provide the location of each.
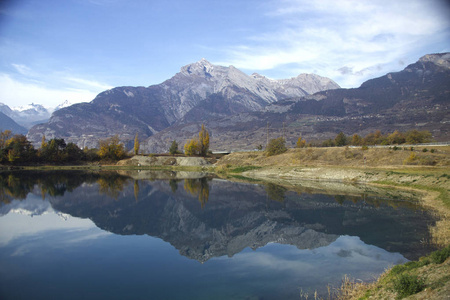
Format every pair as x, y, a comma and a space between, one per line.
406, 285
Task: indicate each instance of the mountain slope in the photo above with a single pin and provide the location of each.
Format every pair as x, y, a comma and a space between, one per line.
28, 115
6, 123
203, 88
417, 97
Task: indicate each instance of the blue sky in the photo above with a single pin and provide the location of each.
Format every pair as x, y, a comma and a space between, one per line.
53, 50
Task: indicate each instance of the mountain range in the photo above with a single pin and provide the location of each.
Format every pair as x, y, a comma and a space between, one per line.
27, 116
198, 89
242, 111
414, 98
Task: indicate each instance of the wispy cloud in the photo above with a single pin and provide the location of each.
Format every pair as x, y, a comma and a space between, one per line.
23, 70
360, 37
88, 83
15, 92
26, 85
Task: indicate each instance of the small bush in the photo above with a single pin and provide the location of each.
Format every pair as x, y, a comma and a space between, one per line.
432, 150
438, 257
395, 148
411, 160
406, 285
364, 148
424, 150
427, 161
276, 146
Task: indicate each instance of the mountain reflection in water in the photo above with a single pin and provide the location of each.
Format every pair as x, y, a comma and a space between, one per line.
205, 218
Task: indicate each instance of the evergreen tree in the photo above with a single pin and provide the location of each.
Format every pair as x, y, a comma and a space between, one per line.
340, 139
173, 148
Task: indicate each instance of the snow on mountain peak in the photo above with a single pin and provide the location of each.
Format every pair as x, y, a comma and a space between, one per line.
31, 107
66, 103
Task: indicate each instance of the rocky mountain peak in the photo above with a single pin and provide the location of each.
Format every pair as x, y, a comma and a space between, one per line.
440, 59
200, 68
200, 90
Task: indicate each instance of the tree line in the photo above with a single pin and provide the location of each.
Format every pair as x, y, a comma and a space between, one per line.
377, 138
196, 146
278, 145
17, 150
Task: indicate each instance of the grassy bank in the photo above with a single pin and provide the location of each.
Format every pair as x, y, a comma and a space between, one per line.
425, 171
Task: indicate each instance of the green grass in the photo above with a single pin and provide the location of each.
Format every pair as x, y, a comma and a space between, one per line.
242, 169
436, 257
403, 279
440, 283
445, 176
406, 285
443, 193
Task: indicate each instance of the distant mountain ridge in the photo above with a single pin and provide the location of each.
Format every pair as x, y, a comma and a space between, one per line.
200, 88
240, 110
416, 98
6, 123
29, 115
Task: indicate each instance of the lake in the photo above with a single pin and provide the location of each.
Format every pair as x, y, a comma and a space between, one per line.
168, 235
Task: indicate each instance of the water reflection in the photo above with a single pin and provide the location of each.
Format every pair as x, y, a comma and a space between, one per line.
253, 240
238, 216
198, 187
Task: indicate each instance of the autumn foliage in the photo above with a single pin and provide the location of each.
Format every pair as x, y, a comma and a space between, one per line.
198, 146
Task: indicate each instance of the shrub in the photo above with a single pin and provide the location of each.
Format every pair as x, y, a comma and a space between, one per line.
364, 148
432, 150
173, 148
406, 285
328, 143
411, 160
198, 146
438, 257
191, 147
427, 161
111, 148
276, 146
424, 150
301, 143
340, 140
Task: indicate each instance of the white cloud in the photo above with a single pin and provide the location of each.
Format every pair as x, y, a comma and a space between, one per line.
27, 85
88, 83
16, 93
24, 70
368, 38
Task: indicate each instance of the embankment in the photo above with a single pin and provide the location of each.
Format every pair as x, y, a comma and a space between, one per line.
424, 171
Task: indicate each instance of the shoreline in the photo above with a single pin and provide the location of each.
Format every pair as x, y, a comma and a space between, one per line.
341, 175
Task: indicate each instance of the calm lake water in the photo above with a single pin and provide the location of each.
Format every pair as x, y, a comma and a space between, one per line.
74, 235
